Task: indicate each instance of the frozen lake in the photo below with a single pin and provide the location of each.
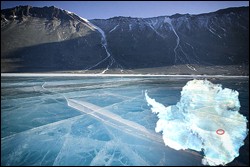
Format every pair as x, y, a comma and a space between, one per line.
55, 120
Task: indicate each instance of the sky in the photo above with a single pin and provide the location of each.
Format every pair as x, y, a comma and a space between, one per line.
108, 9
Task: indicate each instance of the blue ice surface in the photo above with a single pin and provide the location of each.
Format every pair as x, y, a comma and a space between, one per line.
39, 128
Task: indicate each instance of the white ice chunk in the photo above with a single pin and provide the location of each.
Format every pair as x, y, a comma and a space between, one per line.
206, 118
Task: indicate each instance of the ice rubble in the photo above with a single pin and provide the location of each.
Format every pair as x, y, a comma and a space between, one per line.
203, 109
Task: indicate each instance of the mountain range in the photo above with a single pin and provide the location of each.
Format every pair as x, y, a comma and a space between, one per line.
50, 39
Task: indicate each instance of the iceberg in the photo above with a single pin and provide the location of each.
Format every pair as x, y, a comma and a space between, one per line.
206, 119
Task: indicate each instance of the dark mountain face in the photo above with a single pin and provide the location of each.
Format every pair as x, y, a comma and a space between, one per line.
215, 38
46, 39
51, 39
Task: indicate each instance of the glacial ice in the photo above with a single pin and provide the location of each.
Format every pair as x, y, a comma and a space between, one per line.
38, 127
113, 120
193, 123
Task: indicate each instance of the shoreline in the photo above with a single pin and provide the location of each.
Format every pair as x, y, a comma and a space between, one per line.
113, 75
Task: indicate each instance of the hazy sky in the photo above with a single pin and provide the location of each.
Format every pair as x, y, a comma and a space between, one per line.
108, 9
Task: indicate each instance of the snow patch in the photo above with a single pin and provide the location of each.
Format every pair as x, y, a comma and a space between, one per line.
130, 27
114, 28
168, 20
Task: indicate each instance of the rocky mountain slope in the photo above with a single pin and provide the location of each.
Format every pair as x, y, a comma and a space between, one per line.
50, 39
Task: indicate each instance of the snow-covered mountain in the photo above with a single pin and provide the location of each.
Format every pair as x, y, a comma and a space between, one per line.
52, 39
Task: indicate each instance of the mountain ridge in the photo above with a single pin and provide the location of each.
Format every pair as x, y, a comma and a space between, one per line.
220, 11
124, 43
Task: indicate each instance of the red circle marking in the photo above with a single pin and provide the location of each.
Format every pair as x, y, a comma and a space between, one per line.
220, 131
